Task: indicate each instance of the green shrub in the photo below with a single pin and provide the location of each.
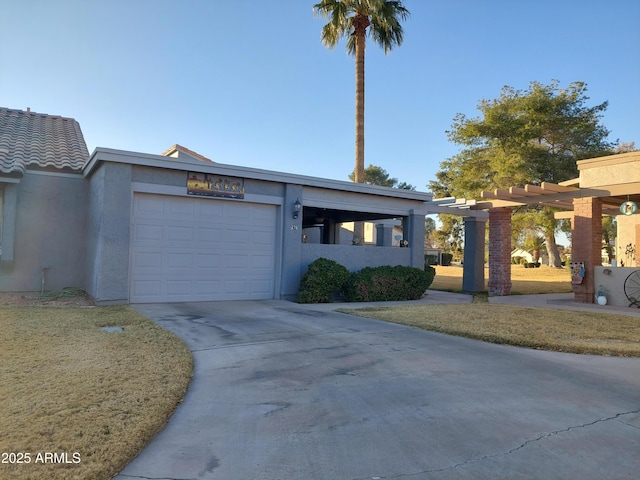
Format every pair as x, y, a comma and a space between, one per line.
446, 259
387, 283
323, 278
430, 272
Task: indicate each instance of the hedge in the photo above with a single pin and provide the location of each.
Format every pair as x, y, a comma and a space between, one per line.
378, 284
323, 279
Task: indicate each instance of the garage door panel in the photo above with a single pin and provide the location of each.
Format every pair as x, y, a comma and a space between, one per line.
263, 286
180, 234
180, 211
190, 249
210, 210
148, 234
235, 286
148, 260
208, 235
149, 207
263, 262
262, 239
236, 211
179, 260
238, 236
179, 288
147, 288
235, 262
205, 287
208, 260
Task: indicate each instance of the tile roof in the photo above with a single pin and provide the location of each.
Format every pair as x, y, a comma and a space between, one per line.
41, 140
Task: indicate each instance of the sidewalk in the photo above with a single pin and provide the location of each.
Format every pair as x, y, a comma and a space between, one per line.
563, 301
432, 296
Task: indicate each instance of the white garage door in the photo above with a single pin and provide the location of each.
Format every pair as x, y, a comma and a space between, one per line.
195, 249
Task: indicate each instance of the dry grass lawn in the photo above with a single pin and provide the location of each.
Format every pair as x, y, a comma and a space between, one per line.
524, 280
93, 398
542, 328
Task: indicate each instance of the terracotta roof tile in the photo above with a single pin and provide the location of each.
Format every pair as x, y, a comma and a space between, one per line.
29, 138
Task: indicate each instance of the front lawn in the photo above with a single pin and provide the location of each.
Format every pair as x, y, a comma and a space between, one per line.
79, 402
525, 281
542, 328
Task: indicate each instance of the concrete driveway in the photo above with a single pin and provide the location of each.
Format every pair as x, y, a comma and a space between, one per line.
286, 391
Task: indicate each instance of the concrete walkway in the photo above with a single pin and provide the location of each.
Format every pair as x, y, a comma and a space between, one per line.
563, 301
288, 391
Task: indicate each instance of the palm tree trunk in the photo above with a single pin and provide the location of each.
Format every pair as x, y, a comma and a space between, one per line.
360, 23
360, 47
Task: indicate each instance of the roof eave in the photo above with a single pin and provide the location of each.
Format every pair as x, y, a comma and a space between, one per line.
101, 154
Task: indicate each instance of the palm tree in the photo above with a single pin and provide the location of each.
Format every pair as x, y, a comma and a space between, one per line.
535, 243
350, 19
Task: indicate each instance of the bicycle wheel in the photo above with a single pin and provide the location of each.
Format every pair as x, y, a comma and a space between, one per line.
632, 288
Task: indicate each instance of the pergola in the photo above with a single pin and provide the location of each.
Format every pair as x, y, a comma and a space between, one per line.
605, 183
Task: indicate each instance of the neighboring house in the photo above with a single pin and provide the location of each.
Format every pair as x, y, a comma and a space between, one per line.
133, 227
43, 198
520, 253
528, 255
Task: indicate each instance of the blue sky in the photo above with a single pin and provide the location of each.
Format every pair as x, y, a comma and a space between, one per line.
248, 82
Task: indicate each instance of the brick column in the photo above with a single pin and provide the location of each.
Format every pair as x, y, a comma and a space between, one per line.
586, 243
499, 252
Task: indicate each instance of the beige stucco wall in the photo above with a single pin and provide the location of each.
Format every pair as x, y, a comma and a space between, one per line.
626, 237
612, 281
622, 174
611, 170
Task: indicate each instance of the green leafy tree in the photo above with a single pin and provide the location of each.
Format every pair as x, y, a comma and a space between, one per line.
609, 232
354, 20
449, 237
374, 175
430, 228
521, 137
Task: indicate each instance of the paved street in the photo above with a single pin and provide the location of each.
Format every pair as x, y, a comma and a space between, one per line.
286, 391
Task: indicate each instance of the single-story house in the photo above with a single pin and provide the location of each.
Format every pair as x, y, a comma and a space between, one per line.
131, 227
520, 253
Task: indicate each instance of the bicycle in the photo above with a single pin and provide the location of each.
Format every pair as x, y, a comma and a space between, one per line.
632, 288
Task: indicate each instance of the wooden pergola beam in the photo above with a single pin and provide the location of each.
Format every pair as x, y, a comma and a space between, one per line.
554, 187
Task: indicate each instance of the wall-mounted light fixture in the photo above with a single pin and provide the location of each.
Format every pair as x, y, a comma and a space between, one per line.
296, 209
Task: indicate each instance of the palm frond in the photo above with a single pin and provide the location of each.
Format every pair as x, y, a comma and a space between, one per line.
339, 24
385, 18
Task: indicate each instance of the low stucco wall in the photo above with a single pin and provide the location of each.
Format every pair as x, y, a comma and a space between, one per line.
354, 257
612, 281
